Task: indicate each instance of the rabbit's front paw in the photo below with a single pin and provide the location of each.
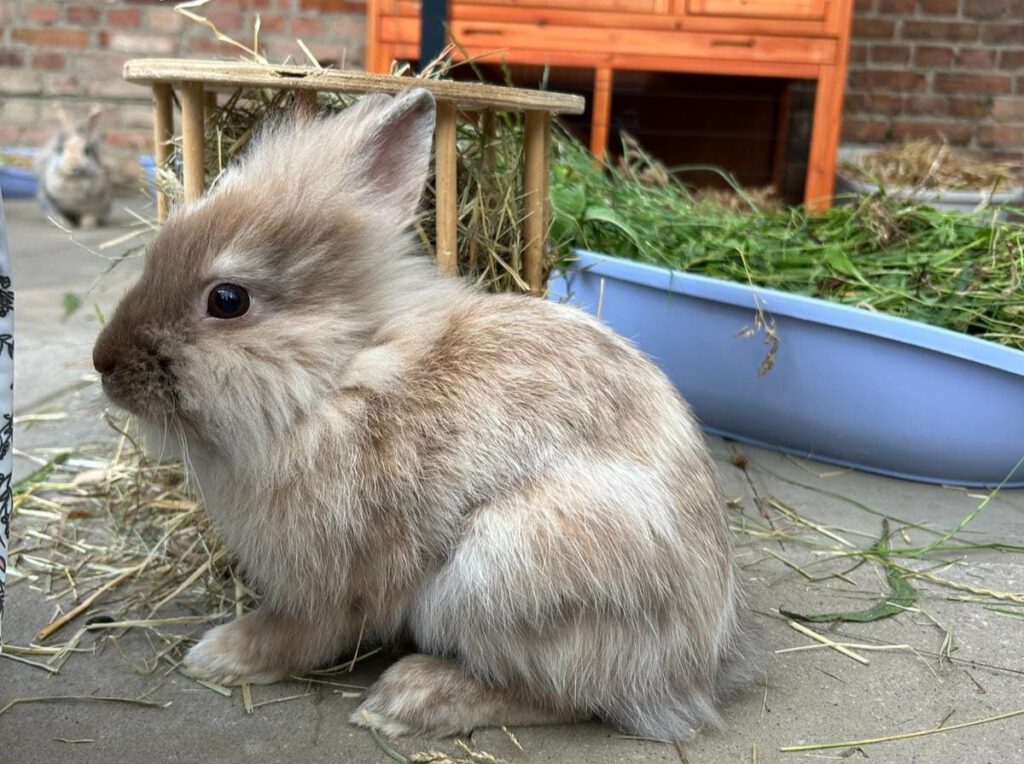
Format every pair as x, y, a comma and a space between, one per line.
227, 655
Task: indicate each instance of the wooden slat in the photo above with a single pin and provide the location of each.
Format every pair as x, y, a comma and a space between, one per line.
447, 193
628, 6
193, 148
582, 15
827, 125
163, 134
631, 62
566, 41
230, 74
601, 109
780, 9
535, 192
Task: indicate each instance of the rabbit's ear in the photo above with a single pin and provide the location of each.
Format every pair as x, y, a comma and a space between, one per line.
92, 120
394, 137
66, 125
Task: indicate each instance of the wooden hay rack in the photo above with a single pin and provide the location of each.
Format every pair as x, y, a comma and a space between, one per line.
196, 82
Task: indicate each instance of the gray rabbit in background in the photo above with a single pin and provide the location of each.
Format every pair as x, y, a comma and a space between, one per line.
74, 184
391, 453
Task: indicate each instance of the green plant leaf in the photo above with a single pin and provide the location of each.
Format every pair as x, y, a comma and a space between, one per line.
901, 594
569, 200
601, 214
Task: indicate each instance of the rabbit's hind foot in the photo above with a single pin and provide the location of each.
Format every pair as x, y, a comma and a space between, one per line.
426, 695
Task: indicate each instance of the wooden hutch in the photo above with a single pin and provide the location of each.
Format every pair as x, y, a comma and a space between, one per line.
792, 39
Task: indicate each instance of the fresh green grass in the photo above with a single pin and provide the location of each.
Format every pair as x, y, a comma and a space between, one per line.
958, 271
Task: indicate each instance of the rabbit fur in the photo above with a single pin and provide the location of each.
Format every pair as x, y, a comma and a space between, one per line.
74, 184
391, 453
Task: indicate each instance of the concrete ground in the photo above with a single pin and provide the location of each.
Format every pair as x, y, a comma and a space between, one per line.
812, 694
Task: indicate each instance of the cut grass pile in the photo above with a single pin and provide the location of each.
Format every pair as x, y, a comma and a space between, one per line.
958, 271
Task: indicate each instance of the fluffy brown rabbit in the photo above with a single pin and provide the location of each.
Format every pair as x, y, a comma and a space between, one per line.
73, 181
391, 453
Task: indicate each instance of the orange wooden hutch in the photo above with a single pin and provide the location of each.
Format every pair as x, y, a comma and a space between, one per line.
793, 39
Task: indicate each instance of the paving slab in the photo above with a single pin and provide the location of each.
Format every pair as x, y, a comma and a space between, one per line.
809, 694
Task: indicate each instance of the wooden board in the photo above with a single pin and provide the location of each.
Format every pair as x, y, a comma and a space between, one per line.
566, 41
229, 74
777, 9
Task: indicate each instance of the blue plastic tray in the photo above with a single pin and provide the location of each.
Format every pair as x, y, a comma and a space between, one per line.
18, 182
848, 386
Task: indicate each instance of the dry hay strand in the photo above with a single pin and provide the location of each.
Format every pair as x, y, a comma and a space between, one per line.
489, 161
117, 543
934, 165
20, 161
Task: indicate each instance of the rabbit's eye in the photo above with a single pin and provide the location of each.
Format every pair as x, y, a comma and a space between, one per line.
227, 301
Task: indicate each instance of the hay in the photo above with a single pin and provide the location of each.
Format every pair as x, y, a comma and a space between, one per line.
490, 195
20, 161
118, 544
933, 165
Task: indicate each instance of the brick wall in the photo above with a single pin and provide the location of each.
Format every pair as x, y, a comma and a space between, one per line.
73, 52
938, 67
917, 67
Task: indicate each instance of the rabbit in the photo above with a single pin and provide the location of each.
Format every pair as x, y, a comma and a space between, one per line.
74, 184
392, 454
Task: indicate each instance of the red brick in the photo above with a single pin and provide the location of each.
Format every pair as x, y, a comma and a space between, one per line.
225, 21
944, 31
1011, 59
926, 104
972, 83
954, 132
987, 9
942, 7
884, 79
1001, 136
971, 108
207, 45
930, 56
164, 20
1009, 108
1003, 34
83, 14
306, 27
884, 103
890, 54
48, 61
11, 58
864, 130
864, 6
855, 103
52, 38
126, 18
896, 6
332, 6
142, 44
858, 53
976, 58
271, 23
40, 13
873, 29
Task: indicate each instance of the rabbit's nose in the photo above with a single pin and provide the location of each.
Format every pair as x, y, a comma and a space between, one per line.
103, 360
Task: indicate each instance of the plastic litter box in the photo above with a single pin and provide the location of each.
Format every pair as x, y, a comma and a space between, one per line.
848, 386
